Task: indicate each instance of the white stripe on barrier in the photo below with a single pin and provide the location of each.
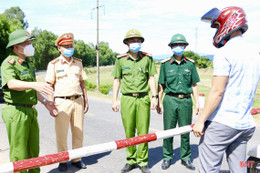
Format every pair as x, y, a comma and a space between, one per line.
7, 168
91, 150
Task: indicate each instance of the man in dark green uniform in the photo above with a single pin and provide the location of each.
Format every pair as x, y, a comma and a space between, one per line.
20, 93
177, 79
135, 72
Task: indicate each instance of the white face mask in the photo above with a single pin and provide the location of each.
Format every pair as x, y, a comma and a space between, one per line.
28, 50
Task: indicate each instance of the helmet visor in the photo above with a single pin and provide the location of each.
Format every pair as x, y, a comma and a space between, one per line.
211, 15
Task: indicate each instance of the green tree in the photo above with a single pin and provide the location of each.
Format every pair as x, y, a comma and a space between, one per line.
16, 13
200, 62
6, 27
45, 49
84, 52
107, 56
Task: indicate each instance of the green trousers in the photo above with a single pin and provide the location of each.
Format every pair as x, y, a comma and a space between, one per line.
23, 133
135, 112
175, 111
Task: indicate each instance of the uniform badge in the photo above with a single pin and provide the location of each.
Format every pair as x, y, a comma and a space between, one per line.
62, 70
11, 61
23, 72
170, 71
126, 67
187, 70
20, 60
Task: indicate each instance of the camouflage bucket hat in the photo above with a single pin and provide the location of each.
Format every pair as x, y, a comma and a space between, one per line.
19, 36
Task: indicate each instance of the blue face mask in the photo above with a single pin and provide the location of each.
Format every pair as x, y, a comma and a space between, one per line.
178, 50
68, 52
135, 47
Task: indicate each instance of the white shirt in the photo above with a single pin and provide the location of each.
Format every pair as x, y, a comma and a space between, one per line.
240, 61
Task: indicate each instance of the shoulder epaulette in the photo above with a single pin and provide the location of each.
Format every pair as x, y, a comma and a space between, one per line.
77, 59
55, 60
165, 60
121, 55
191, 60
148, 54
11, 61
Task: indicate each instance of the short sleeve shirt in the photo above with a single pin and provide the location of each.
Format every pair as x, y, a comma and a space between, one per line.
14, 67
134, 73
242, 66
66, 76
178, 78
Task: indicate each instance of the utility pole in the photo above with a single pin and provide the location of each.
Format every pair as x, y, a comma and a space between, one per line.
97, 48
196, 40
97, 45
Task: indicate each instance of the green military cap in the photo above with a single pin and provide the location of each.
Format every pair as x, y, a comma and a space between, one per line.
178, 38
133, 33
19, 36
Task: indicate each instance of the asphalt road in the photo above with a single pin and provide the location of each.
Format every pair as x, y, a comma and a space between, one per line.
102, 125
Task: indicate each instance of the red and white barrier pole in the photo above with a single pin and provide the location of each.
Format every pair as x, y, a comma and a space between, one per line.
94, 149
255, 111
90, 150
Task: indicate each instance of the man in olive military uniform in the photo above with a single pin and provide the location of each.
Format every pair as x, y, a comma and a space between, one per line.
177, 79
135, 72
66, 75
21, 92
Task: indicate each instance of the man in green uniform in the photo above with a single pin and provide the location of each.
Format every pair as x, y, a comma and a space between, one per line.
20, 93
177, 79
135, 72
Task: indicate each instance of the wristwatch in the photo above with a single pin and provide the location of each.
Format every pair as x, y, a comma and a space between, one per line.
155, 96
44, 100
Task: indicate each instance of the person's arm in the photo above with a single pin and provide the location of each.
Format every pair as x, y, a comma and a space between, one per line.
19, 85
115, 103
84, 91
213, 99
196, 97
160, 95
153, 91
48, 104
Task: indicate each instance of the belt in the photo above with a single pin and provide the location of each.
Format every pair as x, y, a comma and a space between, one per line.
69, 97
17, 104
180, 96
136, 94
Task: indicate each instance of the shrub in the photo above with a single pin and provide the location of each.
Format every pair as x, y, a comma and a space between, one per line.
105, 88
89, 85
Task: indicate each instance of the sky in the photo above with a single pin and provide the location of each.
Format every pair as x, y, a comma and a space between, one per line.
157, 20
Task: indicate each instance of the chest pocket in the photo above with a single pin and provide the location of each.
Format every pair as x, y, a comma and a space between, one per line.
60, 74
75, 72
126, 72
171, 77
25, 76
187, 77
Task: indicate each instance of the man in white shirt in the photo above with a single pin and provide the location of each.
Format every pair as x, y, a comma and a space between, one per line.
226, 124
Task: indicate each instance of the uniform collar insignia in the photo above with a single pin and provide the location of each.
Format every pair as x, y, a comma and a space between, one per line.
20, 60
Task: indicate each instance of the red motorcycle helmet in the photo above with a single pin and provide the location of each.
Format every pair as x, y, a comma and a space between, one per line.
226, 21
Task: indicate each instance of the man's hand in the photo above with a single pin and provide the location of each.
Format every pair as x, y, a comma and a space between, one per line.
198, 129
160, 109
52, 108
44, 88
115, 106
86, 107
154, 103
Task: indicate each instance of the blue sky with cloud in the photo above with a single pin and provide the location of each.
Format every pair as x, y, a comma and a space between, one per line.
157, 20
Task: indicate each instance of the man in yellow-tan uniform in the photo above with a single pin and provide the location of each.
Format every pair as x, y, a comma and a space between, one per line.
66, 74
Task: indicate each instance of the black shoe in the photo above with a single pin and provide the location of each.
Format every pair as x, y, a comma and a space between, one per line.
188, 164
145, 169
127, 168
63, 167
79, 164
166, 164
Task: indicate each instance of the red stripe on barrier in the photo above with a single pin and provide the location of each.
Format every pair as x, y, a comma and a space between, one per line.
135, 140
255, 111
40, 161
